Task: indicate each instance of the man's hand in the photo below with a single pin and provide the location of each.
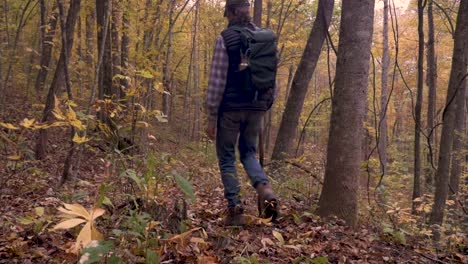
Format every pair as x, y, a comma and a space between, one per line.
211, 129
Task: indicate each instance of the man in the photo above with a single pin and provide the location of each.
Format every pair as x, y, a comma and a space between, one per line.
235, 115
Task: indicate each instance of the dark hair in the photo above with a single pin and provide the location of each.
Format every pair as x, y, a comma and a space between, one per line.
241, 14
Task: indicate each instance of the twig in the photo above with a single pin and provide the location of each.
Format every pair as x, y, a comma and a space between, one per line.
297, 166
307, 122
452, 30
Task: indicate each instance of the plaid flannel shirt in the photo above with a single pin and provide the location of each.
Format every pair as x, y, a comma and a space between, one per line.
218, 78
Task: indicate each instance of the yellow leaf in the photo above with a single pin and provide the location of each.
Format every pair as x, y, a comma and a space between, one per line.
88, 234
77, 124
84, 237
197, 240
159, 87
142, 124
39, 211
80, 140
14, 157
97, 212
71, 103
55, 124
278, 236
95, 234
8, 126
71, 115
28, 123
76, 210
70, 223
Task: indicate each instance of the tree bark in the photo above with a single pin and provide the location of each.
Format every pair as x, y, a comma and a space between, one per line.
418, 107
339, 195
105, 77
432, 94
125, 49
196, 75
459, 145
48, 33
304, 72
384, 94
115, 47
68, 166
455, 90
257, 18
90, 32
167, 66
72, 17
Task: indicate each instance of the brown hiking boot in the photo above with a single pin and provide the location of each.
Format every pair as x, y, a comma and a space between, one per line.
235, 216
267, 201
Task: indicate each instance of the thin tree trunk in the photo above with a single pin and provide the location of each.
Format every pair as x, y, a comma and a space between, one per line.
304, 72
105, 89
268, 18
384, 94
459, 145
418, 107
257, 18
90, 38
68, 167
432, 95
125, 49
72, 17
455, 90
339, 195
196, 80
167, 66
46, 50
115, 49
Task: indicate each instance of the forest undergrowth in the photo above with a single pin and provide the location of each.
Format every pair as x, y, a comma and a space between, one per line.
167, 206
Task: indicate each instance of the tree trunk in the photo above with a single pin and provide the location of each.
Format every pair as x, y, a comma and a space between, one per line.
167, 66
384, 94
304, 72
46, 50
268, 18
459, 144
257, 18
90, 32
339, 195
418, 107
196, 79
115, 47
455, 90
125, 49
72, 17
68, 167
105, 76
432, 95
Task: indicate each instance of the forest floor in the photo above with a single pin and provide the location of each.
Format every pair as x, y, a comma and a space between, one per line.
297, 236
179, 229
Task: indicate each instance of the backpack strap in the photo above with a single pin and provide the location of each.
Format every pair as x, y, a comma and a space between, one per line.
231, 37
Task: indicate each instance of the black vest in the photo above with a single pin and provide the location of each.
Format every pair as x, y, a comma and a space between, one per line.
235, 97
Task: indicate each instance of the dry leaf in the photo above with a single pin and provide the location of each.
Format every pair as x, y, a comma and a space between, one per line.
279, 237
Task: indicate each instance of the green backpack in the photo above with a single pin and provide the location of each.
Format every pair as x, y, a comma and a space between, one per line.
258, 57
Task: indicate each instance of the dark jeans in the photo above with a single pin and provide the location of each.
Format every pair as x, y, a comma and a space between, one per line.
242, 127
